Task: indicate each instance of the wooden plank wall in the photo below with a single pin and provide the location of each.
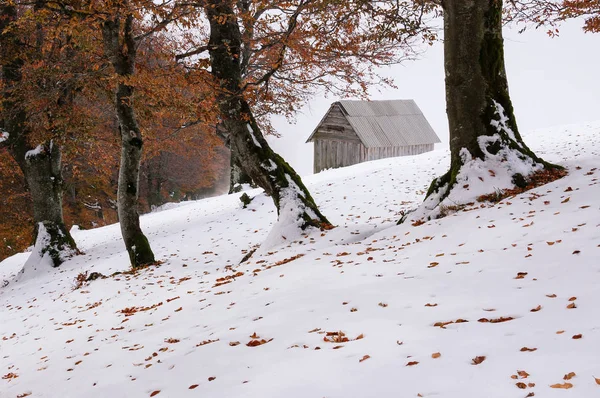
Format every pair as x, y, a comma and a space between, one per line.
331, 154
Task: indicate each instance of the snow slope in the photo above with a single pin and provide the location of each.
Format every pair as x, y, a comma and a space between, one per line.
177, 331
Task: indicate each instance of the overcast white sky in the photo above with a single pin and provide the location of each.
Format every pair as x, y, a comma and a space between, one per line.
552, 82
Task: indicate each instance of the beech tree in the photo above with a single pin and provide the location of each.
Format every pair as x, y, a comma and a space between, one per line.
24, 47
269, 57
485, 143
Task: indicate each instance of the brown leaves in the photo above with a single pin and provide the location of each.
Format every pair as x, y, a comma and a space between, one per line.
521, 275
477, 360
444, 324
527, 349
433, 264
536, 309
154, 393
436, 355
496, 320
339, 337
597, 380
364, 358
565, 386
569, 376
193, 386
10, 376
572, 306
577, 337
412, 363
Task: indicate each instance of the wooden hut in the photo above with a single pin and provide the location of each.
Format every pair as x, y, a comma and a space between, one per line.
352, 132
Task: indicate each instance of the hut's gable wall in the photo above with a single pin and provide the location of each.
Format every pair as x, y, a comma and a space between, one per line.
335, 126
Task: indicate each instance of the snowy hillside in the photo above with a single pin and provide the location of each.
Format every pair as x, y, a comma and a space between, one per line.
499, 301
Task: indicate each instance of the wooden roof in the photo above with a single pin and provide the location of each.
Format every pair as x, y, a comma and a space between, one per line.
385, 123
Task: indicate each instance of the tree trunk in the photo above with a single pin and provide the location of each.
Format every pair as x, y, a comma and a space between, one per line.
122, 53
267, 169
41, 166
483, 128
237, 176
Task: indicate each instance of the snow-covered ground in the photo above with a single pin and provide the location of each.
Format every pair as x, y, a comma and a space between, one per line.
524, 274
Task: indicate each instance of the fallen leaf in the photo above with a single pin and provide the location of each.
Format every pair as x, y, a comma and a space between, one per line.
193, 386
573, 298
571, 306
536, 309
569, 376
412, 363
496, 320
478, 360
436, 355
560, 332
364, 358
523, 374
597, 380
551, 295
563, 385
577, 336
211, 378
527, 349
521, 385
234, 343
154, 393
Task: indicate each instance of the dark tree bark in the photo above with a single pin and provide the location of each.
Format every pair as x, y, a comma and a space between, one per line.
41, 166
267, 169
480, 112
120, 47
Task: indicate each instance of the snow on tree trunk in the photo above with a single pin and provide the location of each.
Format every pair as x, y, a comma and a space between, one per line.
487, 151
122, 53
296, 208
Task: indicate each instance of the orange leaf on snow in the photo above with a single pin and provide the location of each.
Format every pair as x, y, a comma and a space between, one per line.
527, 349
563, 385
521, 385
436, 355
536, 309
412, 363
569, 376
478, 360
193, 386
597, 380
577, 336
154, 393
364, 358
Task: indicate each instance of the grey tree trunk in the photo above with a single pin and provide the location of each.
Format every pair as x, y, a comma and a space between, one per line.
120, 47
41, 166
237, 176
477, 99
267, 169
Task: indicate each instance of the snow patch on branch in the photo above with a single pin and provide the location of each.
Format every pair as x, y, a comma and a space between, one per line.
271, 166
34, 152
252, 135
